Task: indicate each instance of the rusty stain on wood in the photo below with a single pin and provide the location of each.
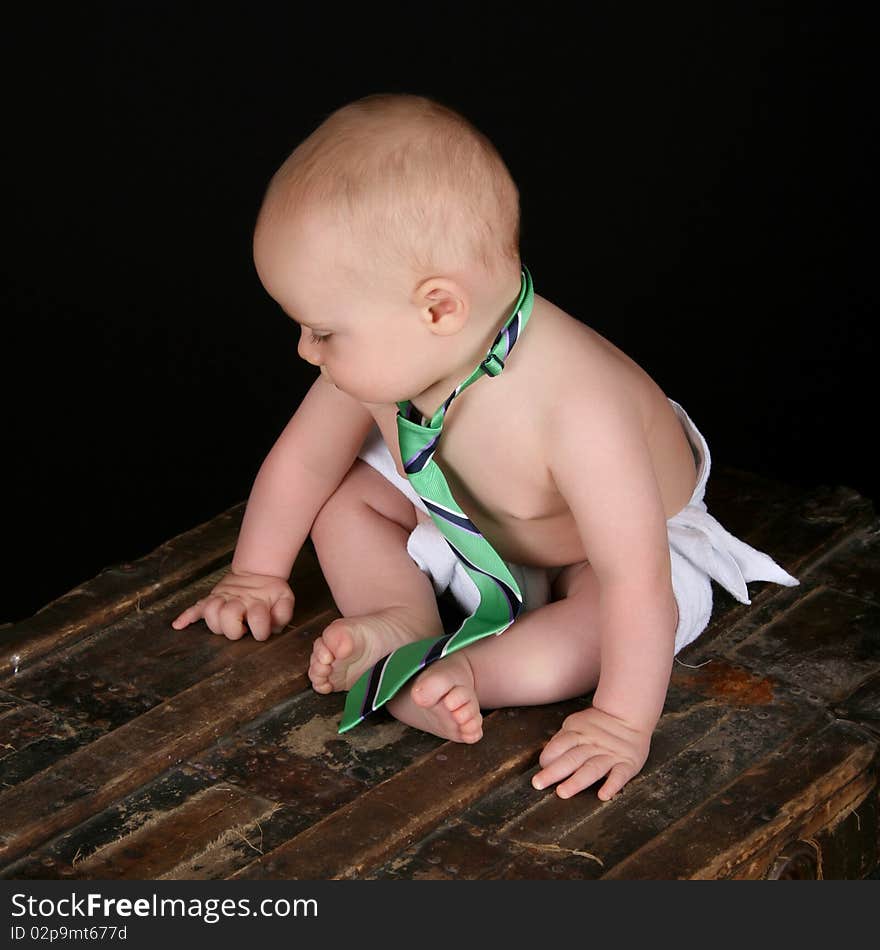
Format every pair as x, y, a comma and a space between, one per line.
725, 681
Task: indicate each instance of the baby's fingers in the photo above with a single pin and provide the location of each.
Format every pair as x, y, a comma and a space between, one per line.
617, 778
190, 615
591, 771
230, 619
232, 616
559, 745
562, 766
259, 620
282, 613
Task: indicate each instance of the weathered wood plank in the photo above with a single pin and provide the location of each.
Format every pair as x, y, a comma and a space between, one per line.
32, 737
718, 720
828, 644
300, 761
114, 675
408, 805
849, 848
800, 532
92, 777
643, 812
118, 590
158, 846
68, 690
797, 855
144, 654
863, 705
143, 651
855, 569
786, 796
59, 857
292, 757
179, 754
525, 812
794, 526
845, 850
462, 851
308, 732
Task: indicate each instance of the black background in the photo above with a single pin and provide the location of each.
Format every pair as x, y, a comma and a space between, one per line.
698, 186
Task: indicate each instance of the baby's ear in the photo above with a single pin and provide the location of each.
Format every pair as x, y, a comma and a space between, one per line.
444, 305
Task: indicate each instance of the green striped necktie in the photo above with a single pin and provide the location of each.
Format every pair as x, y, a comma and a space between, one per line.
500, 596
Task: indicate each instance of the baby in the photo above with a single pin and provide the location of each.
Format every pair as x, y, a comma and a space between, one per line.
391, 236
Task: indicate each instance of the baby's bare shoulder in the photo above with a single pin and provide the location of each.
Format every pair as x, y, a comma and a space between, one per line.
573, 361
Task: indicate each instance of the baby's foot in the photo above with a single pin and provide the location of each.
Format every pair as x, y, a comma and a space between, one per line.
442, 701
350, 645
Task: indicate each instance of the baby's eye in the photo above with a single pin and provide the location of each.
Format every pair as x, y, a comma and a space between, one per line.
319, 339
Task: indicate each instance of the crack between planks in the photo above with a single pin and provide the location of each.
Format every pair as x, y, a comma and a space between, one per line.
230, 836
807, 594
865, 523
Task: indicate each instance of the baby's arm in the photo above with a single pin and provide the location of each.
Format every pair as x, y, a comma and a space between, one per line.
602, 466
302, 470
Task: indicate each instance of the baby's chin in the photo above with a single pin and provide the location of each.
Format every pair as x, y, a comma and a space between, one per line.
365, 395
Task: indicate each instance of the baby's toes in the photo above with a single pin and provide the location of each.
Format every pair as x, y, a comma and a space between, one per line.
321, 653
319, 675
337, 640
432, 687
460, 702
465, 711
466, 714
320, 685
472, 730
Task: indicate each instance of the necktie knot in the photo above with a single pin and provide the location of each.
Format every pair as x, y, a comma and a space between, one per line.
492, 365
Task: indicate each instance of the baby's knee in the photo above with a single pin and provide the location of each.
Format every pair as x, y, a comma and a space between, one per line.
348, 492
363, 491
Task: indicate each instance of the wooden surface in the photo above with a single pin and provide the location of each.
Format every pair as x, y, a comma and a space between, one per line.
131, 750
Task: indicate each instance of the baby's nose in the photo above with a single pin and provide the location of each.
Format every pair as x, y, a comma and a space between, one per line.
307, 350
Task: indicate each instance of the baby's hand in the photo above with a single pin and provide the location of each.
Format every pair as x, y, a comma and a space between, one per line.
590, 744
241, 600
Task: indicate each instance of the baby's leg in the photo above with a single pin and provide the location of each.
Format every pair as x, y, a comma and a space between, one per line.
549, 654
360, 536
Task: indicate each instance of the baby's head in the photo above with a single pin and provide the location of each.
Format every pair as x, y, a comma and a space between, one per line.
393, 232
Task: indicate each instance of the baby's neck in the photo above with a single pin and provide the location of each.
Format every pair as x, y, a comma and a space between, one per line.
473, 352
